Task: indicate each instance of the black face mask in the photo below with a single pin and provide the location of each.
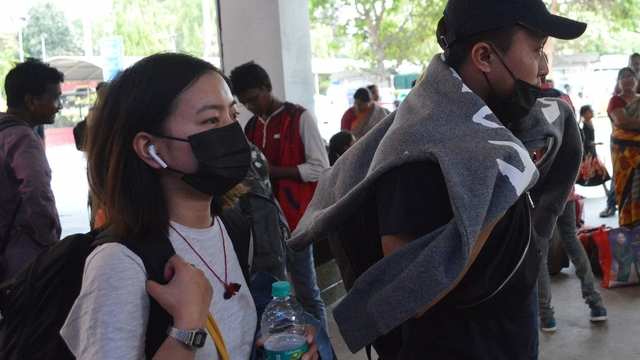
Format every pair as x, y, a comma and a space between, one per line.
223, 156
518, 105
550, 93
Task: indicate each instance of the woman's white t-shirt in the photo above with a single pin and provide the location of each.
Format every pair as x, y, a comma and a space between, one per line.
109, 318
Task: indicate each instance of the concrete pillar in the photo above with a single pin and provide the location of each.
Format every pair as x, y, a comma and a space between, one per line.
274, 34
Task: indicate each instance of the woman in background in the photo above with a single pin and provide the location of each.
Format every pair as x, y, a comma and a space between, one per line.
625, 149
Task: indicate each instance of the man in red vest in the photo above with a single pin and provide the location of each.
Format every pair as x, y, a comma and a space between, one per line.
288, 136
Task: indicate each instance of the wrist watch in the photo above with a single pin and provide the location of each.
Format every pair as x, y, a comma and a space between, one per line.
194, 339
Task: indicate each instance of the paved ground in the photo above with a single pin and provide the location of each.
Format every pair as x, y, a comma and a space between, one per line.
576, 338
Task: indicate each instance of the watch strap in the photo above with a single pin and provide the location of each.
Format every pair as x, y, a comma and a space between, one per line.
193, 338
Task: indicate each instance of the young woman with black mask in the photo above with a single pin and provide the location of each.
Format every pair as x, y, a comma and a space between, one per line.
171, 143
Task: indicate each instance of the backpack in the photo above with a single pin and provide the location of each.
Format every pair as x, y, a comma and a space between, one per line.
34, 305
268, 224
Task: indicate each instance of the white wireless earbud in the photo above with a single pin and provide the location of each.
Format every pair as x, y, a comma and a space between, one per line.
154, 155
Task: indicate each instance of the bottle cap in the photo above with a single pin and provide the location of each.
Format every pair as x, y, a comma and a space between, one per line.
280, 289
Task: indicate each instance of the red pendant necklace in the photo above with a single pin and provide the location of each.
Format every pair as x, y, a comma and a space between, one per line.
230, 289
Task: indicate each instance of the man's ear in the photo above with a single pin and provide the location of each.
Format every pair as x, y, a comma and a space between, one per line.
482, 57
29, 102
141, 143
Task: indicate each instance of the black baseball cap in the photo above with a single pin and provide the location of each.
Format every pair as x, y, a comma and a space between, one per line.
465, 18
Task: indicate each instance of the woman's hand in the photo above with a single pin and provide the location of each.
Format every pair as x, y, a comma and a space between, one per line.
312, 353
310, 335
187, 295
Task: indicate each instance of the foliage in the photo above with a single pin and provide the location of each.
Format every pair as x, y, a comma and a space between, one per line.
46, 20
8, 58
403, 30
148, 27
379, 30
612, 25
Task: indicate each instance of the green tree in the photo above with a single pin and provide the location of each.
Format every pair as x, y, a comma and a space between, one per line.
190, 27
45, 20
379, 31
149, 26
144, 26
613, 25
622, 15
8, 58
387, 31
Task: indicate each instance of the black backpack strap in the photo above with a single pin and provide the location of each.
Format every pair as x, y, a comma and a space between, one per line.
154, 256
239, 230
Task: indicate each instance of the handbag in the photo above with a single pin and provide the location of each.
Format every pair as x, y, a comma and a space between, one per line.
618, 251
592, 172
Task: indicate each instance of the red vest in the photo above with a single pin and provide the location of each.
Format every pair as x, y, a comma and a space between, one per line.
279, 139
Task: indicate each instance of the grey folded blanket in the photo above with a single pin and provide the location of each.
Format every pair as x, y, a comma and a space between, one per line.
486, 169
377, 114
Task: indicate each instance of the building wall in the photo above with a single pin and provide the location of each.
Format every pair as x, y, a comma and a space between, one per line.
274, 34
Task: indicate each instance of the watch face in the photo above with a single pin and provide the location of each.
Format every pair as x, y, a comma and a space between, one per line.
199, 338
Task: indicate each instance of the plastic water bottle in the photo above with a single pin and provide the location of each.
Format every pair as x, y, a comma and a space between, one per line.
283, 325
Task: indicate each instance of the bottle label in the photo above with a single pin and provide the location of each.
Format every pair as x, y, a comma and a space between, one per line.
275, 348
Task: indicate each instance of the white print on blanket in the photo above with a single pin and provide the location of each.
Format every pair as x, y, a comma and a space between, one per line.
465, 88
551, 112
481, 118
519, 179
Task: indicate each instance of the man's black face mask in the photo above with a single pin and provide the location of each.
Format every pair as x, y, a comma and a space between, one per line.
513, 108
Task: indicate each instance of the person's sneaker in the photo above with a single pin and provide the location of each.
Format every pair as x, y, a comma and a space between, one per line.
598, 313
548, 325
608, 212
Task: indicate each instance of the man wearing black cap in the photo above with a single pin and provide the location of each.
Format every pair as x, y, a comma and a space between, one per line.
496, 46
445, 188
